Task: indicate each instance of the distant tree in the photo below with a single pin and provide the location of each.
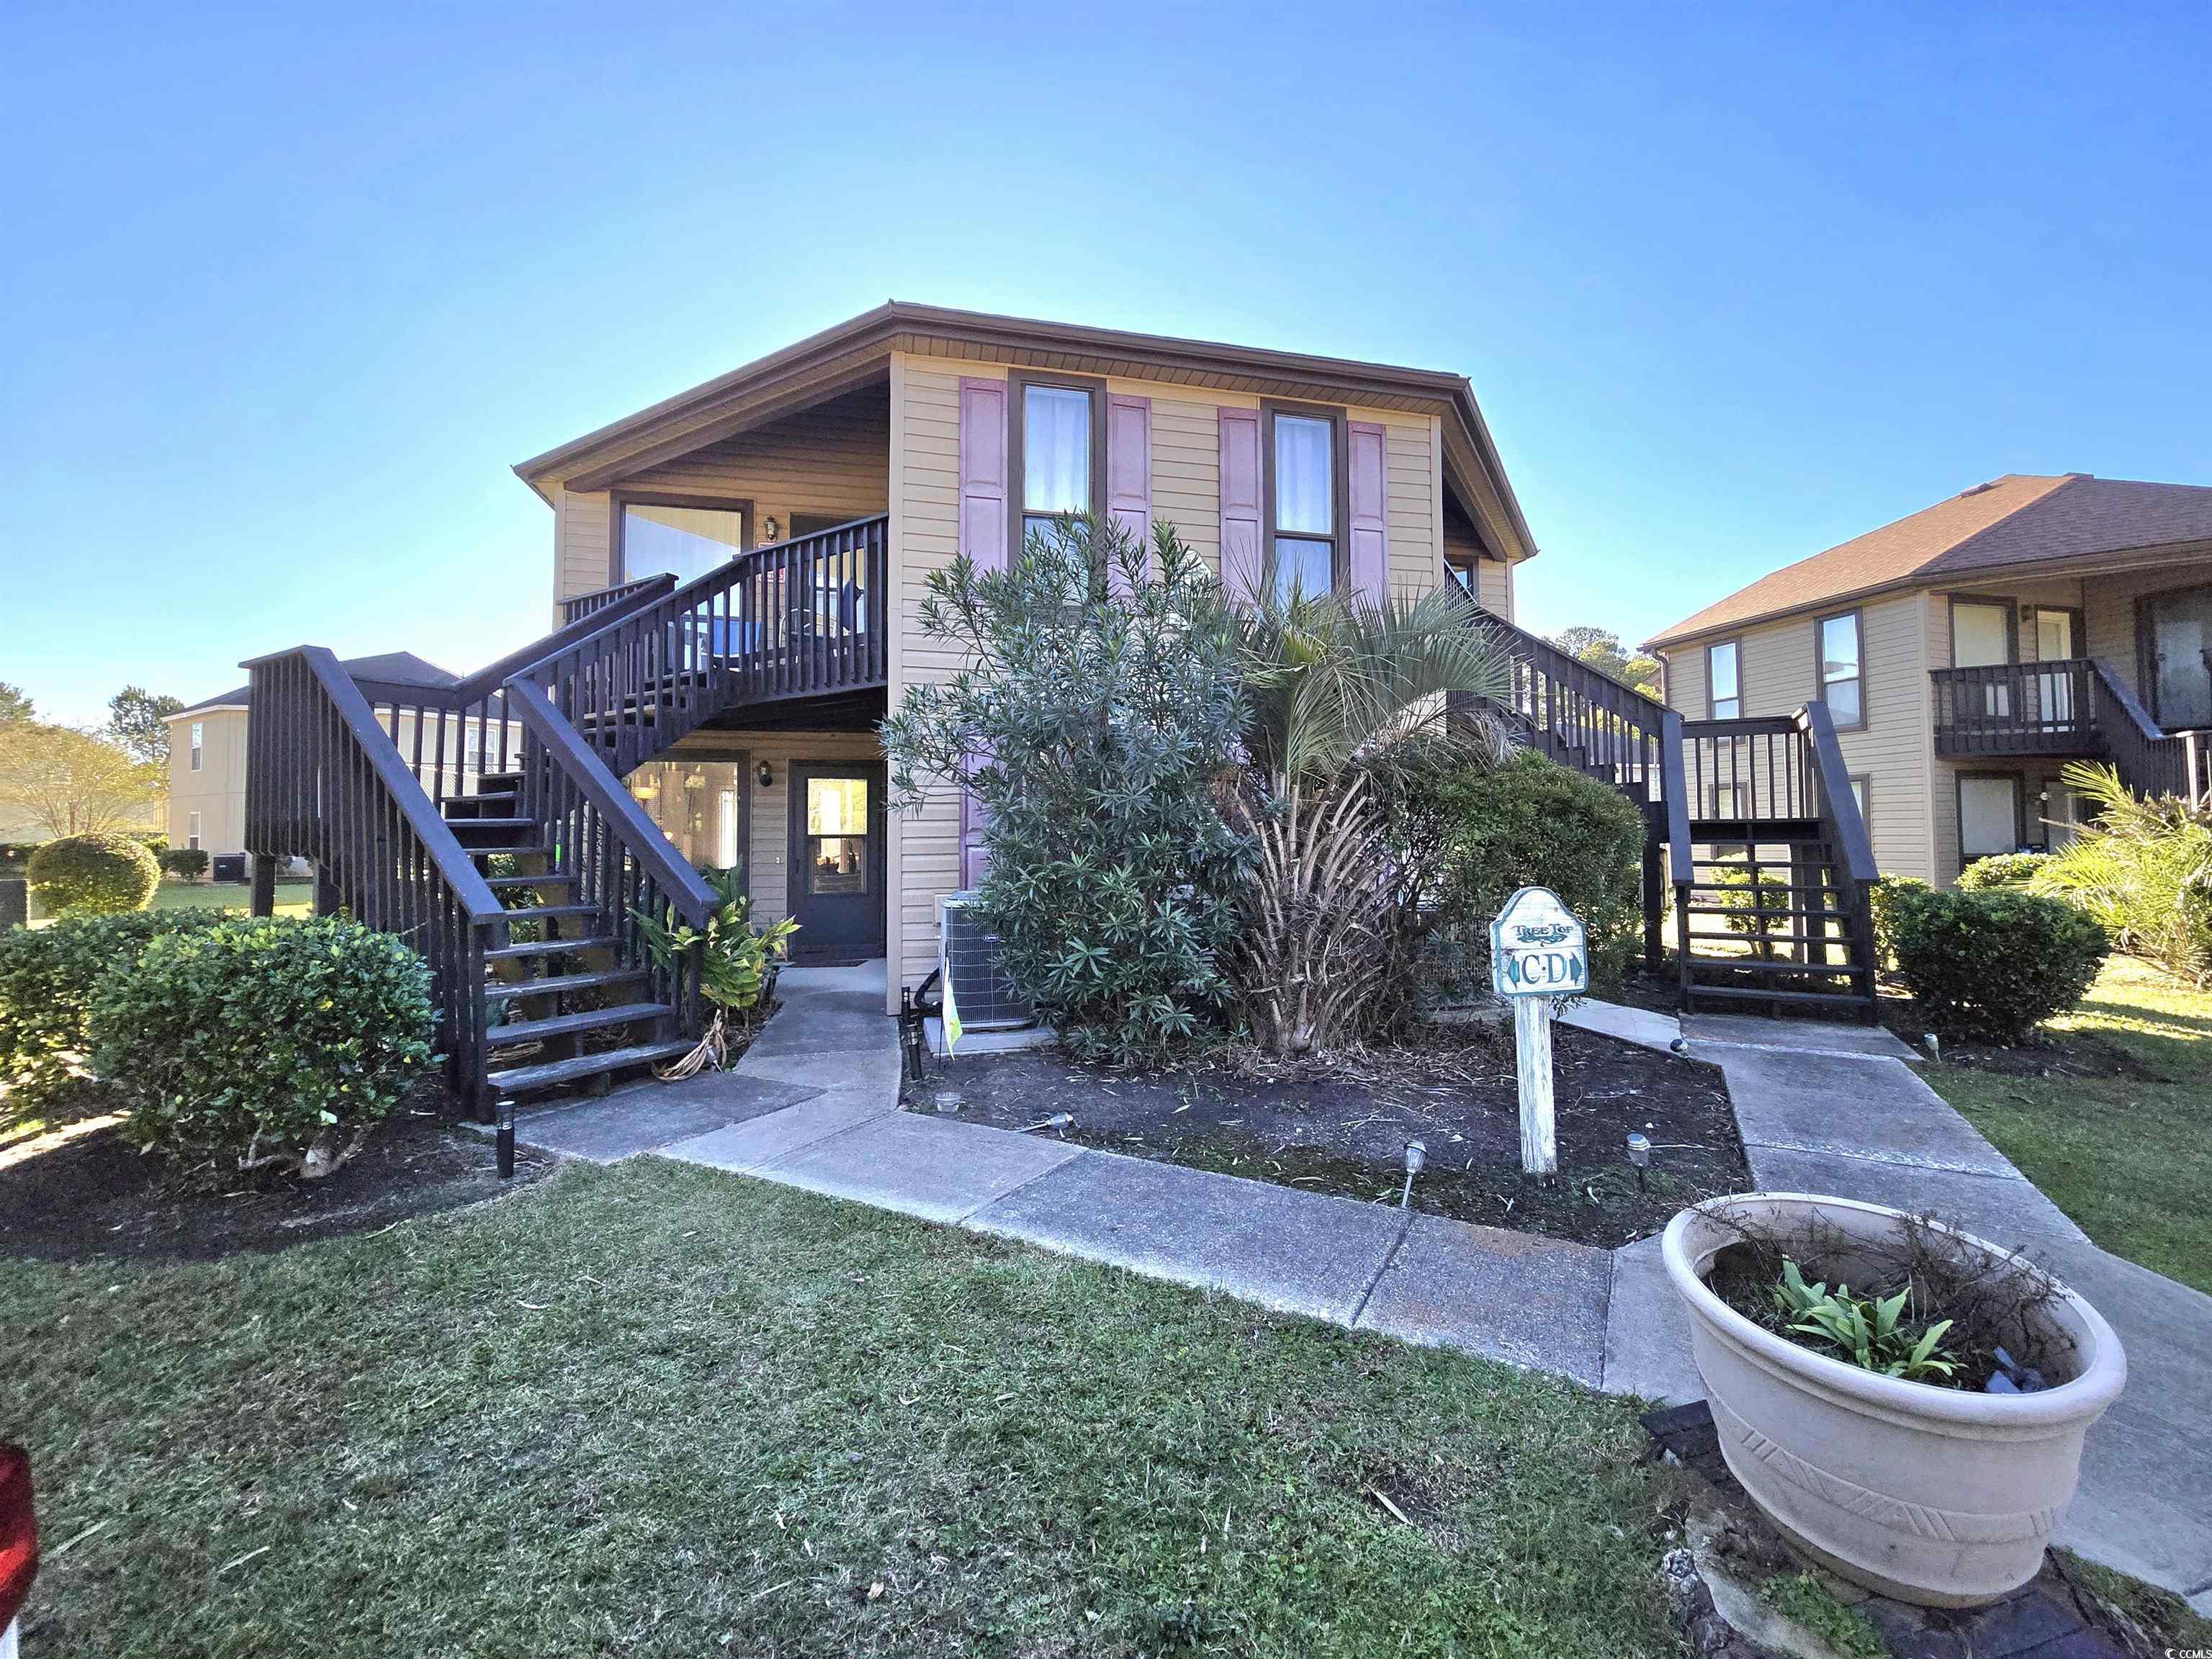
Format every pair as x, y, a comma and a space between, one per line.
139, 721
1601, 647
72, 782
13, 705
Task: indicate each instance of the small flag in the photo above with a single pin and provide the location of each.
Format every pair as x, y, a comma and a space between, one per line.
952, 1015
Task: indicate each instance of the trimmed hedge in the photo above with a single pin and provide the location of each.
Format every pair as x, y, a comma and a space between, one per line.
2002, 870
1882, 898
94, 875
186, 863
47, 978
263, 1041
1995, 964
1533, 823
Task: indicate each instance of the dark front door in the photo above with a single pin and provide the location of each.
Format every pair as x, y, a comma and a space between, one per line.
837, 861
2177, 633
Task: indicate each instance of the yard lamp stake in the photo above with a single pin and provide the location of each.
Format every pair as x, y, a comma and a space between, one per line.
1639, 1154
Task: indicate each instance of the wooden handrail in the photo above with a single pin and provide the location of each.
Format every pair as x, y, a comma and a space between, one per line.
1846, 828
581, 605
693, 901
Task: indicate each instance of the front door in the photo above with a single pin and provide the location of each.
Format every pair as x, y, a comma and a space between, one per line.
2179, 627
837, 861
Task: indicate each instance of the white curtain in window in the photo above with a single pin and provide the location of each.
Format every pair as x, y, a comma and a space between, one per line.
1305, 496
1055, 450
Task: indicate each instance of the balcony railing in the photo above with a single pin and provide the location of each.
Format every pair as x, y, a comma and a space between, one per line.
2017, 708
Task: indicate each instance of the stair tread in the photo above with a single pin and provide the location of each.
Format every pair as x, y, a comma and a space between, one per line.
546, 912
498, 883
493, 823
550, 1073
1753, 993
536, 847
591, 1020
550, 947
508, 989
1774, 970
1762, 911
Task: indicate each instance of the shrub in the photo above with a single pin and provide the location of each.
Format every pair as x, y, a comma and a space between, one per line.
2143, 869
186, 863
100, 874
47, 979
2002, 870
1090, 721
1995, 964
260, 1042
1742, 899
1533, 823
1883, 898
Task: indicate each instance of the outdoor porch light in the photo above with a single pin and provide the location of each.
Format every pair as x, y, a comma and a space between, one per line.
767, 777
1639, 1154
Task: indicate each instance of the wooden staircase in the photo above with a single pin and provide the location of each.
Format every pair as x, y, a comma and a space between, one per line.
504, 845
1769, 919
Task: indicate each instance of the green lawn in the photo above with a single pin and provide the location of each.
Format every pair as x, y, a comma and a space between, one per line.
2130, 1158
654, 1410
294, 898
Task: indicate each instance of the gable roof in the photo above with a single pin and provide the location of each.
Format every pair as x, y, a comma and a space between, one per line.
857, 351
392, 668
2018, 519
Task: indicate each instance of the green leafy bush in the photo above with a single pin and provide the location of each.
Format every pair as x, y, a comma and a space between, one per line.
257, 1042
47, 979
1871, 1332
2144, 868
96, 875
1995, 964
1090, 721
1533, 823
2002, 870
186, 863
1743, 899
732, 956
1882, 898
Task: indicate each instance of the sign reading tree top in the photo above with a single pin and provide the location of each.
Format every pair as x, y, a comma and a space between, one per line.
1538, 950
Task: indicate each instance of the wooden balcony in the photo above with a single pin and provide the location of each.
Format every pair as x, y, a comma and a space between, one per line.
2017, 708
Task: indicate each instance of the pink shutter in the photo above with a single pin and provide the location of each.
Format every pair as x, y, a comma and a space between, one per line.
1369, 557
1242, 564
983, 539
1129, 470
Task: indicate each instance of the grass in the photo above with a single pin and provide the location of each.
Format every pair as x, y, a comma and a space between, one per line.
1805, 1597
2130, 1158
655, 1410
294, 898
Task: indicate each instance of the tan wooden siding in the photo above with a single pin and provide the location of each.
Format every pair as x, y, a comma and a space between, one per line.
924, 450
831, 460
1493, 586
217, 790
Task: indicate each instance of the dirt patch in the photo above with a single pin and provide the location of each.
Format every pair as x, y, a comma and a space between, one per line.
89, 1194
1340, 1125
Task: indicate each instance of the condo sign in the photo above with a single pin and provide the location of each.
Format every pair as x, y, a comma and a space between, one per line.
1538, 948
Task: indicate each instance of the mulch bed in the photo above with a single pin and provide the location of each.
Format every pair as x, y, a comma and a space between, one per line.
93, 1196
1340, 1124
2070, 1054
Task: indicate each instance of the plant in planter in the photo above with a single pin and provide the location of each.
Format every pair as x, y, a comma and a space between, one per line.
1917, 1472
736, 961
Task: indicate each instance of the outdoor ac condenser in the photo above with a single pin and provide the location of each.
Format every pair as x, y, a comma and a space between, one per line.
969, 958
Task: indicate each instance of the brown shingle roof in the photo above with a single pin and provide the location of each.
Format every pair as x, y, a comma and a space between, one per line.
2014, 521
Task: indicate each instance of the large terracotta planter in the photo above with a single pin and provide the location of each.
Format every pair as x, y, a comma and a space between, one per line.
1942, 1496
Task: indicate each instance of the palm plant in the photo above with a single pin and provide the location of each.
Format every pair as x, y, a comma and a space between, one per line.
2143, 869
1343, 688
733, 959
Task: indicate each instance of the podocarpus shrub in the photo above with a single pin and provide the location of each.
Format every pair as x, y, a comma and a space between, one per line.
1098, 704
1533, 823
257, 1042
1883, 898
1995, 964
186, 863
47, 979
94, 875
2002, 870
1743, 898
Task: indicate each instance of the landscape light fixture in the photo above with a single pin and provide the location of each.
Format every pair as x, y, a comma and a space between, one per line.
1417, 1159
1639, 1154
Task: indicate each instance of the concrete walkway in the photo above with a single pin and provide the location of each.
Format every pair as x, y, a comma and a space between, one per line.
814, 1104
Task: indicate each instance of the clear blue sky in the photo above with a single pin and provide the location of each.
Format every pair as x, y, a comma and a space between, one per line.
285, 294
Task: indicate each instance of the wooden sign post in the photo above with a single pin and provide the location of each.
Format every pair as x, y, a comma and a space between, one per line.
1538, 950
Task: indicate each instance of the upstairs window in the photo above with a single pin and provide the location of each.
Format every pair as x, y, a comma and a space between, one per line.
1303, 537
199, 733
1723, 680
1057, 473
1841, 651
680, 539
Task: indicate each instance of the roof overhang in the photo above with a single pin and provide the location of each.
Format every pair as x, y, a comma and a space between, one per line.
857, 352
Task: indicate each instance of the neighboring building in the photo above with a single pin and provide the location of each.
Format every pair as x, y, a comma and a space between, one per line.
954, 426
207, 756
1966, 652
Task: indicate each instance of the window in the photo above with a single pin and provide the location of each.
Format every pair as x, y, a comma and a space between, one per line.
198, 731
1303, 503
1725, 680
727, 849
1860, 796
193, 819
836, 835
684, 538
1989, 814
1841, 686
1057, 476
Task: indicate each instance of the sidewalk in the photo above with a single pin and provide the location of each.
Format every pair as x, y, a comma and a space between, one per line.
814, 1104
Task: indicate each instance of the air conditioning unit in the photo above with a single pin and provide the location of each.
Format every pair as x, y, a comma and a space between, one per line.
969, 956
